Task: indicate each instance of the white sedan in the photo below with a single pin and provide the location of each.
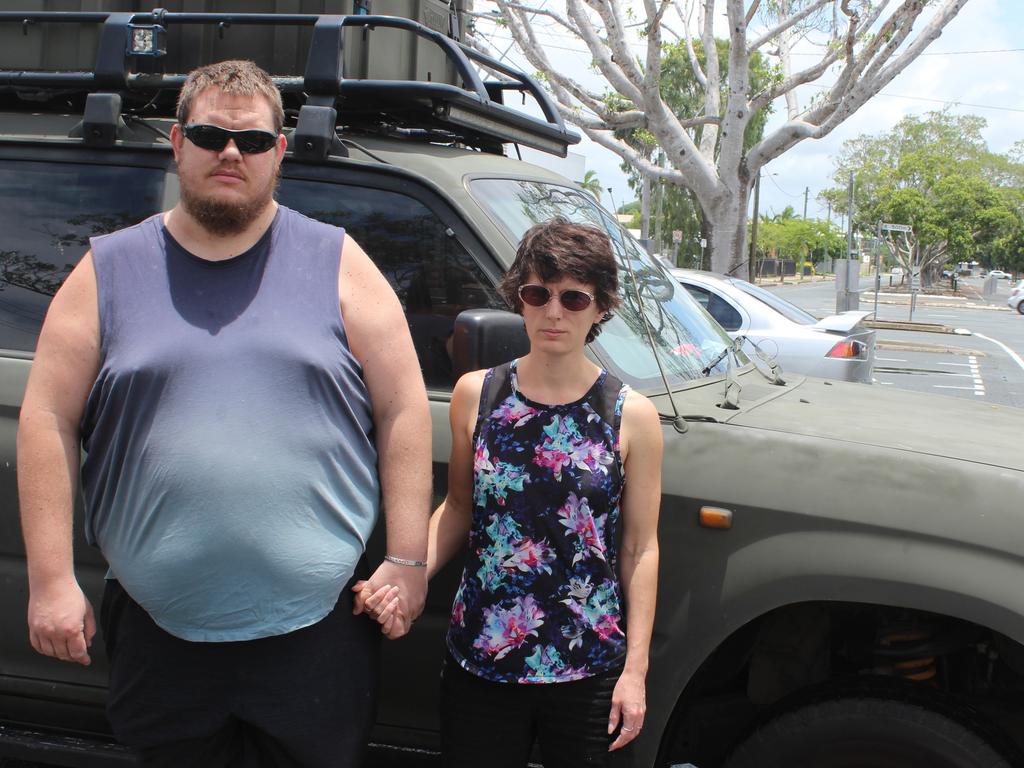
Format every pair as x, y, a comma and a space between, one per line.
998, 274
1016, 300
836, 347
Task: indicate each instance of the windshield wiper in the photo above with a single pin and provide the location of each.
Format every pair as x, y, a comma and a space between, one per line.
711, 366
732, 347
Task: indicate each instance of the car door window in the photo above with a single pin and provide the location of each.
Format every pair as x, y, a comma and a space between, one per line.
48, 212
434, 276
724, 313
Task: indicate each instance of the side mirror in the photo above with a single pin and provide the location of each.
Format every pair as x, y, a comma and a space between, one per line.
484, 338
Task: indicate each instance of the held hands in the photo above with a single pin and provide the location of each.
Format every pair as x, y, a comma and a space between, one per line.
61, 622
629, 705
393, 596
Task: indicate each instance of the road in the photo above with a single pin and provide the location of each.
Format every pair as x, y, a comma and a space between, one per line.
986, 364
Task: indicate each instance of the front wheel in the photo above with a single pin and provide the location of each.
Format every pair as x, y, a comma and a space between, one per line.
1020, 307
866, 731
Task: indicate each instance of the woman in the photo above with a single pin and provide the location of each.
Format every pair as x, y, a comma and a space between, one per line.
551, 457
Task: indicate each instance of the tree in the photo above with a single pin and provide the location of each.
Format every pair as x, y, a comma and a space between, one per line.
676, 207
790, 237
936, 174
592, 184
864, 44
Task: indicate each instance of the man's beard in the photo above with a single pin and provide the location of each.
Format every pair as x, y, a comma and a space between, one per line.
223, 218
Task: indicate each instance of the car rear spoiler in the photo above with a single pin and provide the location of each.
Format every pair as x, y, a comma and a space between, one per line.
844, 322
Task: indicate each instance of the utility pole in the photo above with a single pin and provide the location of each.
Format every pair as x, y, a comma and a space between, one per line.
849, 218
807, 191
752, 259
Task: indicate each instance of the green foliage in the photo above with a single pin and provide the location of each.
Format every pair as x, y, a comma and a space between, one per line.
785, 236
936, 173
592, 184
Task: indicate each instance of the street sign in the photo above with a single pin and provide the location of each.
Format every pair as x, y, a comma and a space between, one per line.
898, 227
915, 278
677, 235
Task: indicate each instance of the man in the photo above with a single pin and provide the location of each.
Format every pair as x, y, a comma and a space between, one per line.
246, 390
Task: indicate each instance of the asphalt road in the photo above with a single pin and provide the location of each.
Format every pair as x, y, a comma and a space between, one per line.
985, 363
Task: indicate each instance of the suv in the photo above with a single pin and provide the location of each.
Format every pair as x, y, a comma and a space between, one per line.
841, 570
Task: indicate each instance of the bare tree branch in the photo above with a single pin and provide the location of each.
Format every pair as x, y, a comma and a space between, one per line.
686, 15
786, 24
752, 11
713, 89
538, 11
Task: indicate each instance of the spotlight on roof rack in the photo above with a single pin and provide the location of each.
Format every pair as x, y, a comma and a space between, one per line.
146, 40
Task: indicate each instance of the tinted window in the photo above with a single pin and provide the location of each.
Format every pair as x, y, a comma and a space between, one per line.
723, 312
432, 273
48, 212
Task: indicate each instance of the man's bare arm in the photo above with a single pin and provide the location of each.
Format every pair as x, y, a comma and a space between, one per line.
379, 338
60, 618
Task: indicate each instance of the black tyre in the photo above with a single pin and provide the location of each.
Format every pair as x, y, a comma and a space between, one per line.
1020, 307
865, 732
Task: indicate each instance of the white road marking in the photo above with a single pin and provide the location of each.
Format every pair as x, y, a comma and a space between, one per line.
890, 360
940, 386
960, 365
979, 385
945, 315
1013, 355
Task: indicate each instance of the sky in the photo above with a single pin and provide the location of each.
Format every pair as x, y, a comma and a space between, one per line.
975, 67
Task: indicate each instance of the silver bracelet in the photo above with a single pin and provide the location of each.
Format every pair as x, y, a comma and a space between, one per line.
403, 561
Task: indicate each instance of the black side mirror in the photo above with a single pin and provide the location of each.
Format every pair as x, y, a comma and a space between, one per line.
484, 338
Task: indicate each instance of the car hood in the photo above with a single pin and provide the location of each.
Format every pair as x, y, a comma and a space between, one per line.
844, 322
937, 425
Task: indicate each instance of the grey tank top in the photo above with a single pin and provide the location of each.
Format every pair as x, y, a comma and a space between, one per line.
230, 476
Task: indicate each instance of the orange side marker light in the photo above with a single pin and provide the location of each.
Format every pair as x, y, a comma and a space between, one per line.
715, 517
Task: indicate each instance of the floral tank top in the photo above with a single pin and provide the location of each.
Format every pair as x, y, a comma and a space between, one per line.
539, 600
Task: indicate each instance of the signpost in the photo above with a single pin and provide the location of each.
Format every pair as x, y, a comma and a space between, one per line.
915, 270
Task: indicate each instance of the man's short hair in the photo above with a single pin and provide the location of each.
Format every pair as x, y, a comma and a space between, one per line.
558, 248
236, 77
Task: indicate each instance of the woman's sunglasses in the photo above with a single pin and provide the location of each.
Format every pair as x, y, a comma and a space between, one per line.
251, 141
538, 296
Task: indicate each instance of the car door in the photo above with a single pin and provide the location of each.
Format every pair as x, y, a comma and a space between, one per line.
51, 202
438, 268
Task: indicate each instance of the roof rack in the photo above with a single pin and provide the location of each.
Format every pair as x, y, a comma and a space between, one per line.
472, 114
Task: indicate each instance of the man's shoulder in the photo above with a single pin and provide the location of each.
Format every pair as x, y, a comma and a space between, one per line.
297, 217
125, 234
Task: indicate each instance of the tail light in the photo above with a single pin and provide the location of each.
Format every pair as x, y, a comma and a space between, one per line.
849, 349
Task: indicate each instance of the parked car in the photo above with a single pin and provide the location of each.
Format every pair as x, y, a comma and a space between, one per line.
841, 565
1016, 298
998, 274
835, 347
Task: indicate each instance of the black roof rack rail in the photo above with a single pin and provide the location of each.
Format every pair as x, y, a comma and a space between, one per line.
474, 114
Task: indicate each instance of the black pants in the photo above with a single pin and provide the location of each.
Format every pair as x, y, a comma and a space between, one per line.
495, 724
305, 699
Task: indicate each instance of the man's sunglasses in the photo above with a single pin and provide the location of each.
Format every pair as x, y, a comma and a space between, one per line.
251, 141
538, 296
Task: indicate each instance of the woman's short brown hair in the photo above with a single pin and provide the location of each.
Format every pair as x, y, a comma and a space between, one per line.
558, 248
236, 77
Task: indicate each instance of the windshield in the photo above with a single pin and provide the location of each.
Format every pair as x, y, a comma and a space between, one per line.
783, 307
685, 341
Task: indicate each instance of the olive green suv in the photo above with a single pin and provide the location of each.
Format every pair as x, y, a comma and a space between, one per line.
842, 569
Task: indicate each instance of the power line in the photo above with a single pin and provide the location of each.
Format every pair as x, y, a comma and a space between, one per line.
938, 53
771, 177
944, 102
